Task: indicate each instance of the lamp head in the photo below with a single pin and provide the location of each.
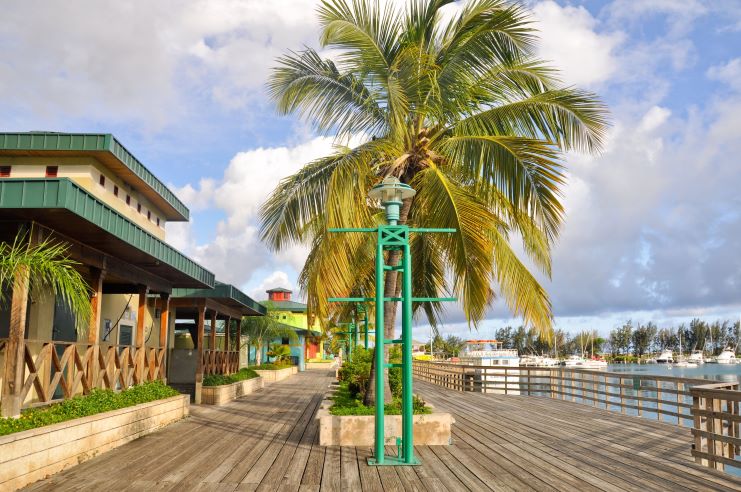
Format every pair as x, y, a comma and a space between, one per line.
391, 192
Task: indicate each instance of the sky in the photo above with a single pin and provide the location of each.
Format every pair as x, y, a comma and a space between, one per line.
653, 224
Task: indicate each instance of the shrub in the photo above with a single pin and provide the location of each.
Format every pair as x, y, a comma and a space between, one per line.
346, 404
270, 366
220, 379
98, 401
356, 372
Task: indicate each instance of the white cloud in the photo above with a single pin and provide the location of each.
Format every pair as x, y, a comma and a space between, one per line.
728, 73
569, 39
235, 252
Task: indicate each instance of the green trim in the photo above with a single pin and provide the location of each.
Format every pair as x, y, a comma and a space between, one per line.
92, 142
63, 193
223, 291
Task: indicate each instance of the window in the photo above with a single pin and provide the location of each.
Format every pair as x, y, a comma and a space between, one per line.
139, 207
149, 215
115, 190
158, 221
4, 171
51, 171
102, 180
284, 341
128, 199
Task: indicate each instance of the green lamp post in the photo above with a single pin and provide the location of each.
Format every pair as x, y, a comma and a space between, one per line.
393, 237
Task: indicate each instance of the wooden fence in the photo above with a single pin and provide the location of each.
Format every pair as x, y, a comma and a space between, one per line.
220, 362
57, 370
711, 410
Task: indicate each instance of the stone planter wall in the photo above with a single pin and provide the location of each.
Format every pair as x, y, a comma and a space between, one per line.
351, 430
31, 455
321, 365
219, 395
271, 376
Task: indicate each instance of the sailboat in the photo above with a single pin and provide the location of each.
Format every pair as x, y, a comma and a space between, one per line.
680, 360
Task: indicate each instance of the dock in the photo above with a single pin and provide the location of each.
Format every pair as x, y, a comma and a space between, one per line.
268, 441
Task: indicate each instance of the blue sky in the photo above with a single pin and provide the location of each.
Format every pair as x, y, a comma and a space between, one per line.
654, 224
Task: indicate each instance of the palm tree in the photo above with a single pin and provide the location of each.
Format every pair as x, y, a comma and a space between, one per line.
42, 267
259, 330
464, 112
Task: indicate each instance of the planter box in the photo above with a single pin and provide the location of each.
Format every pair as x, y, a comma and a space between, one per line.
330, 364
359, 430
273, 375
31, 455
219, 395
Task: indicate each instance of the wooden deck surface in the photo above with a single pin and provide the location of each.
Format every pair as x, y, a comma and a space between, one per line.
268, 441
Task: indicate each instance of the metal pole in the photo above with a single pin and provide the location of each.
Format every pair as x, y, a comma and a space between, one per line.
380, 362
407, 395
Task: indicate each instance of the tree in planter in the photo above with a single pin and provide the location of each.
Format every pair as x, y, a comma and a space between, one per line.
279, 353
259, 330
461, 110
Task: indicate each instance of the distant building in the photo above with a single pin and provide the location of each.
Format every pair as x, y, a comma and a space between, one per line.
294, 315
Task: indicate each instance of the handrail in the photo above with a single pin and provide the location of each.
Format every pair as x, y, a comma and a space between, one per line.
691, 402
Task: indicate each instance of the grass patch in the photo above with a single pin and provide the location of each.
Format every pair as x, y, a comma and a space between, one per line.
346, 404
269, 366
98, 401
220, 379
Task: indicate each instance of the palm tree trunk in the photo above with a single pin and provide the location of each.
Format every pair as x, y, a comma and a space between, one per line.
389, 316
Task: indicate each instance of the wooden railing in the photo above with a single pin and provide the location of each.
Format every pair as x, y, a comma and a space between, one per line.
712, 410
715, 409
220, 362
59, 370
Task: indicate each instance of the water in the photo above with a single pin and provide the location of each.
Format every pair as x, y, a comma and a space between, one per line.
717, 372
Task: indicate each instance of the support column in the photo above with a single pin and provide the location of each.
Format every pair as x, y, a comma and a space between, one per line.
93, 331
239, 346
164, 331
14, 349
140, 314
212, 344
302, 353
227, 331
199, 355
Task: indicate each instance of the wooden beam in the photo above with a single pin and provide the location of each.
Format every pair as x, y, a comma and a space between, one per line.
212, 335
140, 314
15, 347
164, 330
93, 331
200, 321
239, 343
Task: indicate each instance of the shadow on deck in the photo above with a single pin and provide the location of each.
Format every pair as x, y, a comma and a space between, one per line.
268, 441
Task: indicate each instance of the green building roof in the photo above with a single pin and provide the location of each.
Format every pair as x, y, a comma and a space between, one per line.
223, 292
106, 149
69, 208
285, 306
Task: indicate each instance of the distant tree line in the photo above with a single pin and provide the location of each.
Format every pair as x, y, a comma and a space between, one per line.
634, 339
641, 339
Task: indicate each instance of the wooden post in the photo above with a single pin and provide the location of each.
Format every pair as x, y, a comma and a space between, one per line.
212, 345
164, 331
93, 331
239, 346
140, 314
15, 348
199, 355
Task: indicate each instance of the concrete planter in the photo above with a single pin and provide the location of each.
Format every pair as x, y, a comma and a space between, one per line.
330, 364
219, 395
273, 375
31, 455
359, 430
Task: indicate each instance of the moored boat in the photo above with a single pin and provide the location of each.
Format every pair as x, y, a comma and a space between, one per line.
666, 357
728, 356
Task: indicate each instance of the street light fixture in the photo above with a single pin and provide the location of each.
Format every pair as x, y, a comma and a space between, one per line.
392, 193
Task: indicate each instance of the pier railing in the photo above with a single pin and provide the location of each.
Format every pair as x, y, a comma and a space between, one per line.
711, 410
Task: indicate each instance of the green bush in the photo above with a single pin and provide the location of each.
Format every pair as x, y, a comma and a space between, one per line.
98, 401
270, 366
347, 404
220, 380
356, 372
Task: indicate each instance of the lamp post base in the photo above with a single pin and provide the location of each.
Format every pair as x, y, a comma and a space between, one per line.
393, 461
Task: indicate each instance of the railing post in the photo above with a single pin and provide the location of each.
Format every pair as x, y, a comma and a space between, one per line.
622, 394
680, 399
659, 415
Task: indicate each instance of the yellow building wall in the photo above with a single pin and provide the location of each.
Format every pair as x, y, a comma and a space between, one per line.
86, 171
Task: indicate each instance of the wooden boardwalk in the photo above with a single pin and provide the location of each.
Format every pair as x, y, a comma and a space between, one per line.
268, 441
